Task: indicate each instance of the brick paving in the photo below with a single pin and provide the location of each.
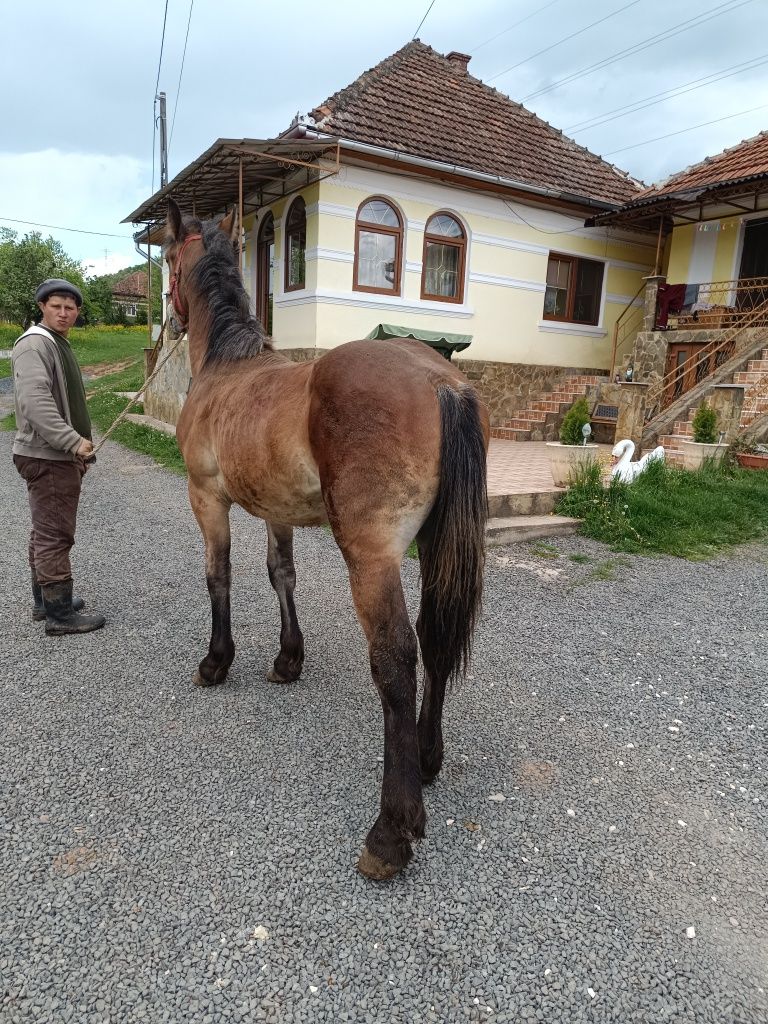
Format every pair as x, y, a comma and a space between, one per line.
522, 467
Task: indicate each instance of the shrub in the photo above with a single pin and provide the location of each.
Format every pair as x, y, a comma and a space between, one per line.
573, 421
705, 425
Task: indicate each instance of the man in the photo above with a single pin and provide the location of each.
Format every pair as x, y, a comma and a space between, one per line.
51, 449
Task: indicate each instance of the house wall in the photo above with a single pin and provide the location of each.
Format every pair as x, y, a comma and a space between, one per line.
707, 252
508, 249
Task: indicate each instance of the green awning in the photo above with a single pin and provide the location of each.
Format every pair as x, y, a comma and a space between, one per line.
444, 343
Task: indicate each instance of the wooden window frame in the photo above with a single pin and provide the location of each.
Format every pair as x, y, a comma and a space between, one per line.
262, 273
288, 235
460, 244
383, 229
571, 292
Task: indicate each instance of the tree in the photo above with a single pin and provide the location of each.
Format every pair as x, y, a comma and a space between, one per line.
23, 265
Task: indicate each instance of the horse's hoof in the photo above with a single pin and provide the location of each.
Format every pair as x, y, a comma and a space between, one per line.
374, 868
199, 679
274, 676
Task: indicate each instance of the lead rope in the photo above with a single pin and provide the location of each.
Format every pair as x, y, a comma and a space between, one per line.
146, 384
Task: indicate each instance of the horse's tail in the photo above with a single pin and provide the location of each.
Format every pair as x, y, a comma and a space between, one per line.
452, 541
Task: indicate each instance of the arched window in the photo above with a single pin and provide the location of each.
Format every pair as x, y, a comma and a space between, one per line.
265, 258
295, 245
378, 248
445, 246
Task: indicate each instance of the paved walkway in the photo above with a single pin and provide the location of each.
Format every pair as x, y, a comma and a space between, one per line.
522, 467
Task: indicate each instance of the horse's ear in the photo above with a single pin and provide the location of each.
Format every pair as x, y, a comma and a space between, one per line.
174, 223
229, 225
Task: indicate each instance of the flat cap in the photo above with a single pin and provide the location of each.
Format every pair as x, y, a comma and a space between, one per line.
57, 284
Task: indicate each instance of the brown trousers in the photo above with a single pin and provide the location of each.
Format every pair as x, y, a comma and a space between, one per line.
54, 493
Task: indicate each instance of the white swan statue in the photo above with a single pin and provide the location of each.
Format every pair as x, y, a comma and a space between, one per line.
622, 465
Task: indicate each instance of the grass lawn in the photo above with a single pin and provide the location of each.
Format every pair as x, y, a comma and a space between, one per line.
93, 346
672, 511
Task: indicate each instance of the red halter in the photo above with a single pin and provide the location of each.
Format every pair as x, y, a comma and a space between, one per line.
176, 299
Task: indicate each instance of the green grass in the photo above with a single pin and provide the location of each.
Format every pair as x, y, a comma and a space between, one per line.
543, 549
105, 406
91, 345
671, 511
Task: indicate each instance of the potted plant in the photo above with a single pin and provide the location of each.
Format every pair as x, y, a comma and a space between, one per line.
706, 443
750, 455
572, 449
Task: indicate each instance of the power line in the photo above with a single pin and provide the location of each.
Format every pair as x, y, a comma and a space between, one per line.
565, 39
58, 227
684, 26
682, 131
178, 87
659, 97
423, 19
162, 45
539, 10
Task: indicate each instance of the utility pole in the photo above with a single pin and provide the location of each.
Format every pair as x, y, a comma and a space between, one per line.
163, 143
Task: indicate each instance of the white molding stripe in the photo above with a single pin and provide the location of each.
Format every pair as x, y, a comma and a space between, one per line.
624, 300
391, 303
414, 266
335, 255
510, 243
507, 282
553, 327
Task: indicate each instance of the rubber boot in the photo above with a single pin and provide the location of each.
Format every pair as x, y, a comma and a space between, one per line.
38, 611
60, 616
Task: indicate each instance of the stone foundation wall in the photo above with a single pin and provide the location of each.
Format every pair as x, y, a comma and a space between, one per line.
165, 396
507, 388
649, 356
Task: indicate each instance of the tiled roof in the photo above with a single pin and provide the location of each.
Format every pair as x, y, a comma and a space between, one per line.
748, 159
132, 286
424, 104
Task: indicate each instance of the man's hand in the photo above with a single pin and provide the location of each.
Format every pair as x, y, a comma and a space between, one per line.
85, 449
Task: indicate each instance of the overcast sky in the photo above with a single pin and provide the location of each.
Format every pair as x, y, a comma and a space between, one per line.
78, 80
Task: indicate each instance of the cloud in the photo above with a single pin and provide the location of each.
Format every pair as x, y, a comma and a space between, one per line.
83, 191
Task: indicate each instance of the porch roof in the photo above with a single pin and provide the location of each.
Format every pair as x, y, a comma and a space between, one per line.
734, 181
211, 183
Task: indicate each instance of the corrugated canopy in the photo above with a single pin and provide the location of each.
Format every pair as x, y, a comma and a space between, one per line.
211, 184
447, 344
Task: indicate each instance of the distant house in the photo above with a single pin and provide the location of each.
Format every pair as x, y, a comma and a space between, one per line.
420, 200
130, 292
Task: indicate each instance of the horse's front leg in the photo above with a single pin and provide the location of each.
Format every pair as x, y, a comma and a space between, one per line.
212, 514
380, 604
282, 575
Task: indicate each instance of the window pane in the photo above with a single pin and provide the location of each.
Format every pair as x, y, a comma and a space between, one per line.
558, 272
297, 247
589, 283
379, 212
442, 224
441, 273
555, 301
297, 215
376, 260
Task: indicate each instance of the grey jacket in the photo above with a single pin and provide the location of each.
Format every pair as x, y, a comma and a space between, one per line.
43, 427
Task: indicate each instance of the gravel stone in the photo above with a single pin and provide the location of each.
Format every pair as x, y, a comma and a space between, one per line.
148, 828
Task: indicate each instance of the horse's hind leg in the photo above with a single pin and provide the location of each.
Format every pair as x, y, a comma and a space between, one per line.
212, 514
378, 594
282, 576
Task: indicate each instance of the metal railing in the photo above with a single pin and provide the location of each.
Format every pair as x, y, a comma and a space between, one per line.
710, 357
718, 305
627, 325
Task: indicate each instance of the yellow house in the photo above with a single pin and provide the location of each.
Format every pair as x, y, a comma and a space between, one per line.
420, 200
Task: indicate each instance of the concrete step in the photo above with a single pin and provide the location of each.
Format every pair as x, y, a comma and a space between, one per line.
510, 434
747, 377
150, 421
534, 503
513, 529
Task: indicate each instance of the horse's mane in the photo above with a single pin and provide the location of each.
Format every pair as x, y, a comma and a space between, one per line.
233, 334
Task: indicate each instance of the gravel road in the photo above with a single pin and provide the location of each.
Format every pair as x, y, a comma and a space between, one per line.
597, 842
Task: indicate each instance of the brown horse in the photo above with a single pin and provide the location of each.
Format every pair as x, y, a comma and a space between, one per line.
384, 440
